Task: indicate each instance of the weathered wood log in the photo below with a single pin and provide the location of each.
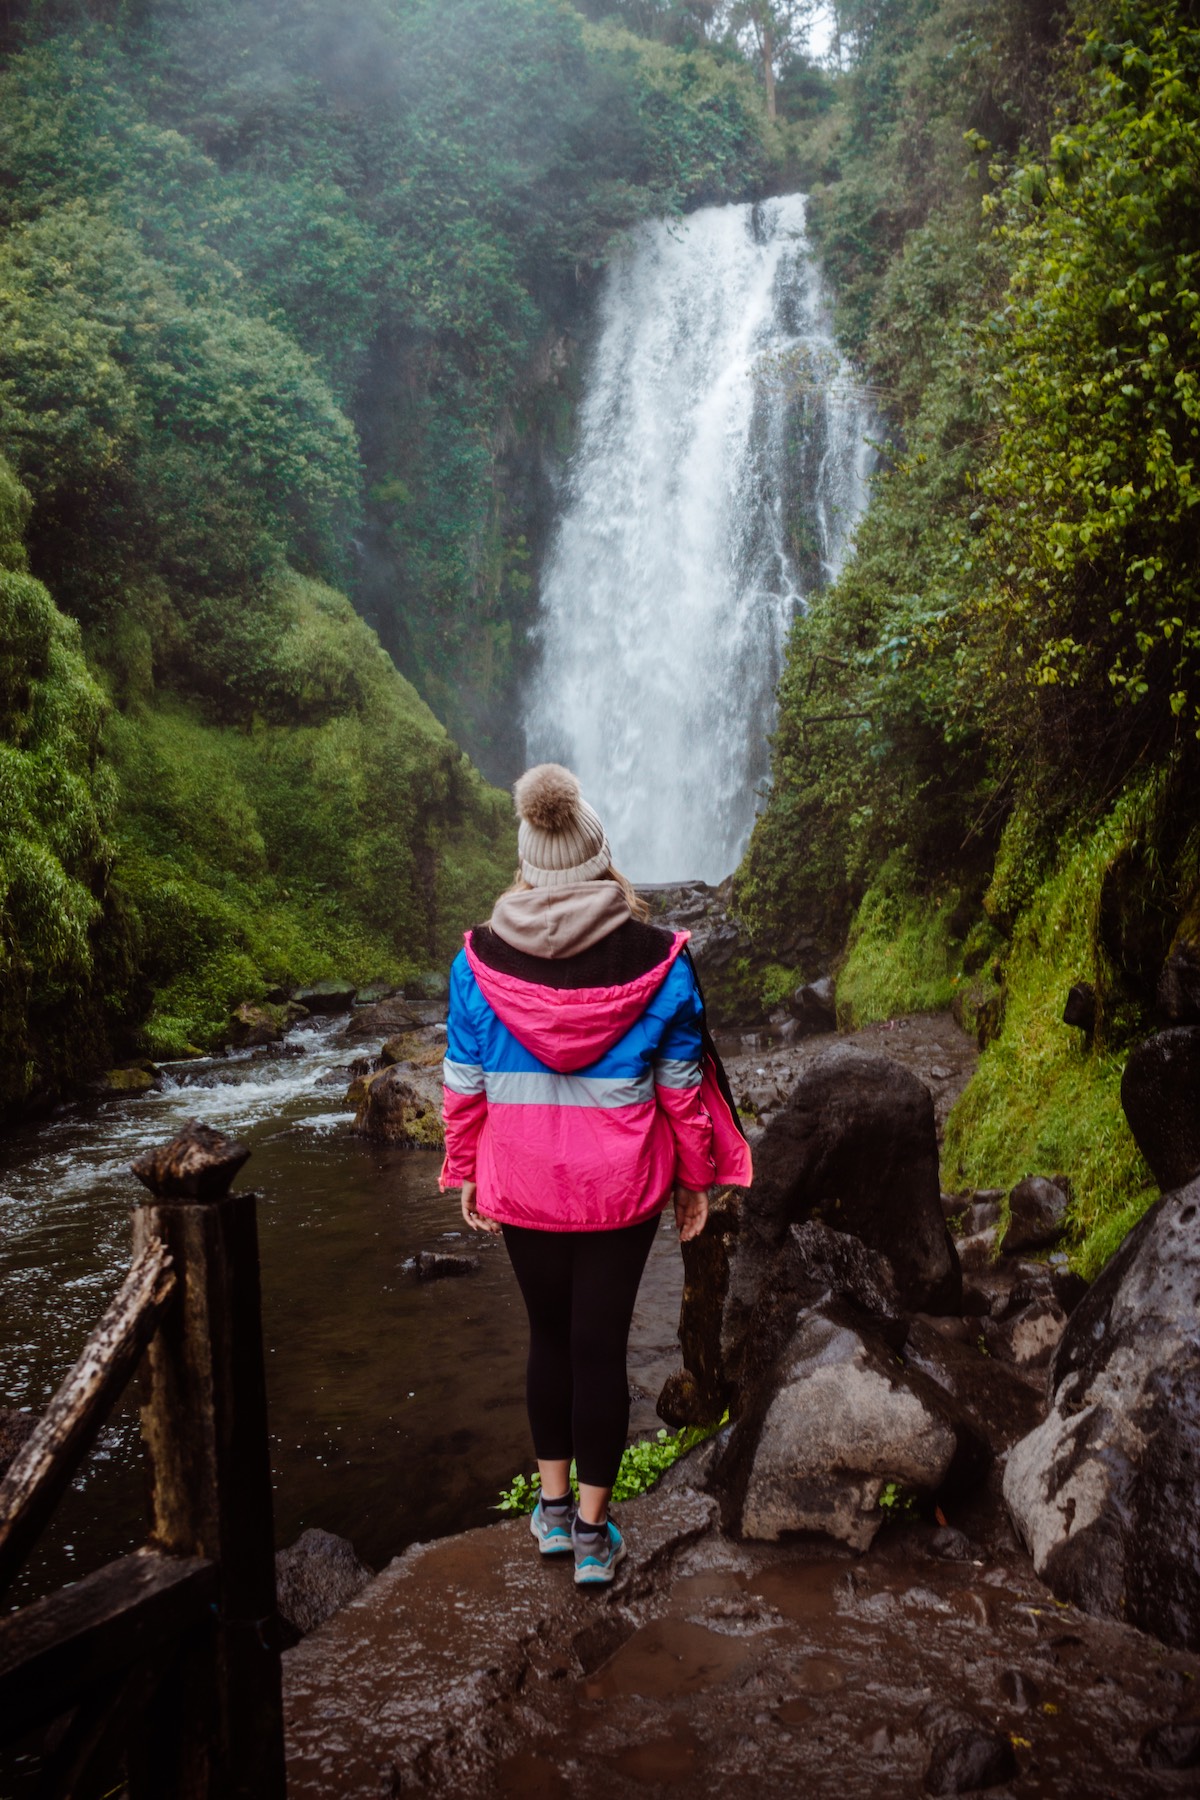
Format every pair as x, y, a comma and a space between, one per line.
42, 1469
204, 1427
132, 1610
199, 1164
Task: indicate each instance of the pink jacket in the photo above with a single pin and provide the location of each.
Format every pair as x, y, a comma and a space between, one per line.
579, 1109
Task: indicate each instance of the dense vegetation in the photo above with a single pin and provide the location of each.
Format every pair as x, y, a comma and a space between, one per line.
999, 797
284, 303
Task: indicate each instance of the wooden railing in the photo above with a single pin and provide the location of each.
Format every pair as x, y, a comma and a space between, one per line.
164, 1663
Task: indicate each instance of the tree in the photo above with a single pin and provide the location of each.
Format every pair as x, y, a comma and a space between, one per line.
775, 28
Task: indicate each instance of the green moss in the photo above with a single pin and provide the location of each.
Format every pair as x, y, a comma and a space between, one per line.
902, 955
1044, 1100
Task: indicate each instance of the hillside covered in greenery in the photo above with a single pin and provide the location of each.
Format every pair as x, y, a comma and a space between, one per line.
282, 301
987, 763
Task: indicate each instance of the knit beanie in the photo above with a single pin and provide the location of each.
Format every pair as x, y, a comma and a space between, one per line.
560, 839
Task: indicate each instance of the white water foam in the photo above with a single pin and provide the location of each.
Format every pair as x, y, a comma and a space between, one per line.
722, 465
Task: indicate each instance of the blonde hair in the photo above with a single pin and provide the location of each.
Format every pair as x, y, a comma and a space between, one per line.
637, 906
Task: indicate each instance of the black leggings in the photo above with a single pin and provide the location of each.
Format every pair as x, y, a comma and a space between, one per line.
579, 1288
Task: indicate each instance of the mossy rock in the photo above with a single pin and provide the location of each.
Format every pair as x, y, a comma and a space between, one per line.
253, 1025
121, 1082
393, 1110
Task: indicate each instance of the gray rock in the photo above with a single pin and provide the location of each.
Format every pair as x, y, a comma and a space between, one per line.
827, 1425
1028, 1337
814, 1006
374, 992
1160, 1091
978, 1251
815, 1264
314, 1578
1104, 1492
253, 1025
439, 1265
1172, 1746
384, 1020
1037, 1212
855, 1147
433, 985
967, 1756
981, 1215
1179, 982
327, 996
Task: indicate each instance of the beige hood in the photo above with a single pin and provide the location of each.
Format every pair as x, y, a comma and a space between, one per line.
560, 921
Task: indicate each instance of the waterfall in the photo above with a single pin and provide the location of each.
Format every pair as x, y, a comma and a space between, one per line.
721, 467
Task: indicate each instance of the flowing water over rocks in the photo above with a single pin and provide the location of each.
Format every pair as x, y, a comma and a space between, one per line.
721, 468
396, 1406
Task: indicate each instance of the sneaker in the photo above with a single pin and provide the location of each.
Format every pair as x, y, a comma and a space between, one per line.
596, 1560
553, 1539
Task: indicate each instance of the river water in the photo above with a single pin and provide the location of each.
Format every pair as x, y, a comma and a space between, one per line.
396, 1408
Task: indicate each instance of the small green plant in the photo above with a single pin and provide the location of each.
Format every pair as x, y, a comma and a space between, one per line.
897, 1502
522, 1496
642, 1465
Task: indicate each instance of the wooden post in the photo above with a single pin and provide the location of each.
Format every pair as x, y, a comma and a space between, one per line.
204, 1427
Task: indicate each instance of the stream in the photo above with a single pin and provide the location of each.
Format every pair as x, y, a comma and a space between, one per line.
396, 1408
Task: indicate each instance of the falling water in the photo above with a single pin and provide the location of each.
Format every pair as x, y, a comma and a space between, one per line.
721, 468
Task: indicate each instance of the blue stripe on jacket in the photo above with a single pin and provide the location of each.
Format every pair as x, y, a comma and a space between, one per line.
667, 1033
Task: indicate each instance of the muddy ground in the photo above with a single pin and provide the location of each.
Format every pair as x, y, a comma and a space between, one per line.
469, 1668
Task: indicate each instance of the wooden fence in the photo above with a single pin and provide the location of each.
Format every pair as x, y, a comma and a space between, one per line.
165, 1662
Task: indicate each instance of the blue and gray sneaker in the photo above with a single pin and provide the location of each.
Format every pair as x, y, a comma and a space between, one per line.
552, 1530
597, 1555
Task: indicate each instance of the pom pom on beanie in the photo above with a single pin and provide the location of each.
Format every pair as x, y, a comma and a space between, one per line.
547, 797
560, 837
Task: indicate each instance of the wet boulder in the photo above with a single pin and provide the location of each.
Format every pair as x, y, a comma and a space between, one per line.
1027, 1336
314, 1578
257, 1023
1179, 982
828, 1425
326, 996
383, 1020
1037, 1213
123, 1084
439, 1265
966, 1755
1080, 1009
814, 1006
397, 1107
855, 1147
1105, 1492
1160, 1091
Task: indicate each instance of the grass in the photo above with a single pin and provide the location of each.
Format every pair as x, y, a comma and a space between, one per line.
901, 957
1044, 1100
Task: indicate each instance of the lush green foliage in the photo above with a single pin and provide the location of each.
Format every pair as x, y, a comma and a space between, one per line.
643, 1464
986, 756
285, 304
63, 943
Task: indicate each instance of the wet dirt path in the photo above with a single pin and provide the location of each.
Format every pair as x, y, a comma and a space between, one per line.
469, 1669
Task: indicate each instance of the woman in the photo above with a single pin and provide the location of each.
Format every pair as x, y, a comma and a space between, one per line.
577, 1104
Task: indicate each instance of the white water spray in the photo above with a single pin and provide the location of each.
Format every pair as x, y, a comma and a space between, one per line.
721, 468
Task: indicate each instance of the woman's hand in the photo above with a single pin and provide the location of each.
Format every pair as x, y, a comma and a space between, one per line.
475, 1220
691, 1212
